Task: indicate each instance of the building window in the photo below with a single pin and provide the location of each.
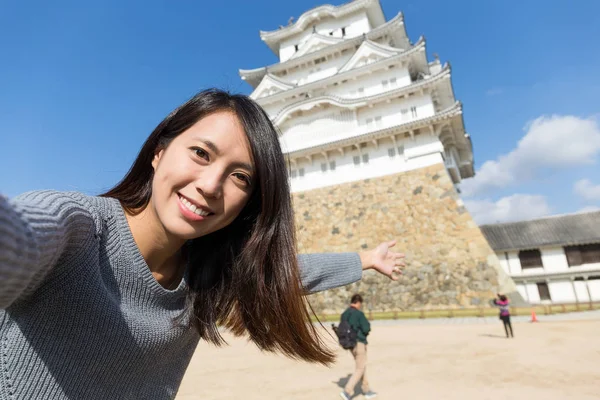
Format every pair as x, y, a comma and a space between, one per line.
301, 172
413, 111
392, 152
530, 259
332, 165
356, 160
400, 150
323, 167
404, 114
384, 84
343, 31
544, 291
369, 122
293, 174
361, 91
365, 158
393, 82
585, 254
296, 47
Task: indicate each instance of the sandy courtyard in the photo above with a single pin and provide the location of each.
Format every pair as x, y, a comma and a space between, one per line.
548, 360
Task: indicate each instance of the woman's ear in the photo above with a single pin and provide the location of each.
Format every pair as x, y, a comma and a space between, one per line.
156, 159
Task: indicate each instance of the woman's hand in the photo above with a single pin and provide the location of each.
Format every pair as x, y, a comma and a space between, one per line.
383, 260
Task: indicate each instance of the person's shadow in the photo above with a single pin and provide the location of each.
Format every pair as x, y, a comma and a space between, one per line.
492, 336
342, 383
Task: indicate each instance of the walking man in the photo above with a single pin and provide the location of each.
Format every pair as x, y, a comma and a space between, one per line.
359, 323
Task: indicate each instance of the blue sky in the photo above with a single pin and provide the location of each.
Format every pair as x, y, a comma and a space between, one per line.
83, 83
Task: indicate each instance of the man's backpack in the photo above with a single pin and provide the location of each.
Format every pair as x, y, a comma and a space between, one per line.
346, 335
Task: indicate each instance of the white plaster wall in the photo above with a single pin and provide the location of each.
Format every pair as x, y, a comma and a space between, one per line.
554, 259
330, 67
287, 49
423, 145
371, 83
586, 267
594, 286
523, 291
302, 133
514, 263
380, 164
581, 291
562, 291
318, 128
356, 25
532, 293
503, 262
391, 113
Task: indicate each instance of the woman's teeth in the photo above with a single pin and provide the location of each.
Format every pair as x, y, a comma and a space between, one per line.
193, 208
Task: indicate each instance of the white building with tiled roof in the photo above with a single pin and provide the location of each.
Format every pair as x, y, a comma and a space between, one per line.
355, 99
551, 260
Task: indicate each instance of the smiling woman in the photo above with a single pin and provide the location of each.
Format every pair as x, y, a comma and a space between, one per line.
107, 297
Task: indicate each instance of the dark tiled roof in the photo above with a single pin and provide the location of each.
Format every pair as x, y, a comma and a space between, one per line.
572, 229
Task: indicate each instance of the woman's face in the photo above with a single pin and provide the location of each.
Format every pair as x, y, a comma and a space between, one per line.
204, 178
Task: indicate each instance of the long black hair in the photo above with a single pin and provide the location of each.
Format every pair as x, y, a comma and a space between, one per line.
245, 276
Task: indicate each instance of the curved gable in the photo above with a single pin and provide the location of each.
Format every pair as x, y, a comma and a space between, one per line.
369, 52
311, 104
314, 43
270, 85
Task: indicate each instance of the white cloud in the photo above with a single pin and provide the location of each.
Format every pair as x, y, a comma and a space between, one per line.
517, 207
549, 142
587, 190
589, 209
494, 91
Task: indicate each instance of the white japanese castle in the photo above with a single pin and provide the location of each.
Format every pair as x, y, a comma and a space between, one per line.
354, 98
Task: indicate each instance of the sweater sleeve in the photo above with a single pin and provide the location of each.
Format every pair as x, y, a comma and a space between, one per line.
36, 229
324, 271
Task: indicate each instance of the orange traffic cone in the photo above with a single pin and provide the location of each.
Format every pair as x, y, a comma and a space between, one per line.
533, 316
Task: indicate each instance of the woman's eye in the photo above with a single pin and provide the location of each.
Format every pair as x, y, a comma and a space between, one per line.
244, 179
200, 153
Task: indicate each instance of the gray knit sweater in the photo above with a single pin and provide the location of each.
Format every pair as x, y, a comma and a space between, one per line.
82, 317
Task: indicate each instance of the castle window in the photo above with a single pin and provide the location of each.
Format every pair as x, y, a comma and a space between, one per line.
332, 165
296, 47
413, 111
404, 114
392, 152
531, 259
343, 31
585, 254
365, 158
393, 82
323, 167
378, 122
293, 174
301, 172
356, 160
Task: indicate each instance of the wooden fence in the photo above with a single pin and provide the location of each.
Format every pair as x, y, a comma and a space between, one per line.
539, 309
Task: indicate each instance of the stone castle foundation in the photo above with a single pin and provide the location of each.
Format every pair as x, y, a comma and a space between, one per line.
449, 262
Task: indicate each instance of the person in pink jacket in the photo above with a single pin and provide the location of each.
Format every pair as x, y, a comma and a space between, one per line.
502, 303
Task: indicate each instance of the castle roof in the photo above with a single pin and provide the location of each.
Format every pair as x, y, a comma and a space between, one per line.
372, 7
560, 230
254, 76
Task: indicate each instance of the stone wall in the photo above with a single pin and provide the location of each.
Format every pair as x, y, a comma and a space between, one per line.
450, 263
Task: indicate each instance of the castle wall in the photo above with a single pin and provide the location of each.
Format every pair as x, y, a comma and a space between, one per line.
450, 264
